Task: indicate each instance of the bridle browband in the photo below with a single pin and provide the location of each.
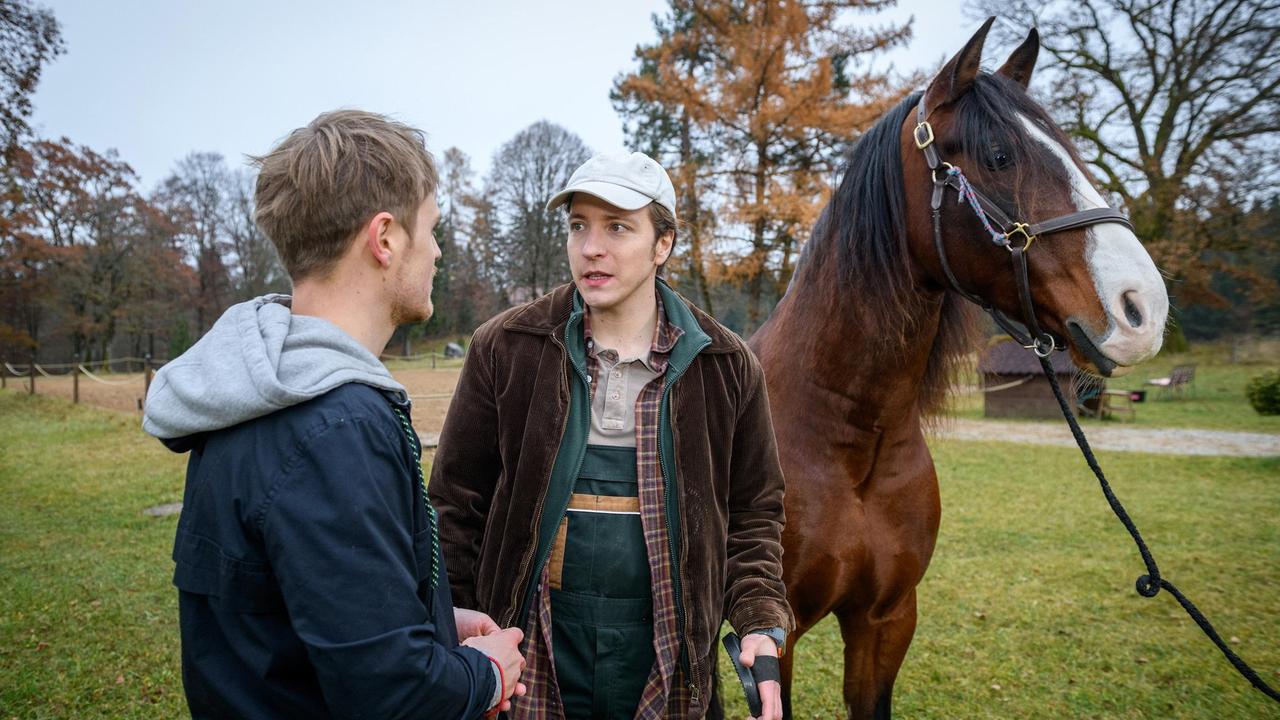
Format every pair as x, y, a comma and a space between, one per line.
1003, 230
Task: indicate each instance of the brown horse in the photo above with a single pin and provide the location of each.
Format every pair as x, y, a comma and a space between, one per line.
863, 344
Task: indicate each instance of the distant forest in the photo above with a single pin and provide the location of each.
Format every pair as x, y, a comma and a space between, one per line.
1179, 127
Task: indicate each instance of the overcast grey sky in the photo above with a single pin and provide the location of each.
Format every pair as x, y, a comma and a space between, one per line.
156, 80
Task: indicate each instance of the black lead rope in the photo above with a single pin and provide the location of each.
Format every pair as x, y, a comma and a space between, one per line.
1150, 584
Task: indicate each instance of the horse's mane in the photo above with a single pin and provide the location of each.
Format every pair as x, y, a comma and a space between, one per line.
864, 224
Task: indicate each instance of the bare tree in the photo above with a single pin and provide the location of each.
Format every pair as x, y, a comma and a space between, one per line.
24, 258
1174, 103
194, 197
485, 246
465, 292
29, 38
255, 265
527, 170
114, 227
157, 280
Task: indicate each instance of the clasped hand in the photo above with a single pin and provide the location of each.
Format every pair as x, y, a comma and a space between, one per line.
478, 630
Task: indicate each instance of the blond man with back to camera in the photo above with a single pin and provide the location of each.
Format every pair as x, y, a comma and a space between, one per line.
309, 575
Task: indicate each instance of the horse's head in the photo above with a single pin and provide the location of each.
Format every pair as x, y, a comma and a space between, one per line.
1092, 285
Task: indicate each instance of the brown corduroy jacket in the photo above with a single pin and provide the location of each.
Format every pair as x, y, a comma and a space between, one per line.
491, 473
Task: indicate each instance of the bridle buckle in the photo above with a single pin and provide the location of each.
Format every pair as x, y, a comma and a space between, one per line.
923, 135
1025, 231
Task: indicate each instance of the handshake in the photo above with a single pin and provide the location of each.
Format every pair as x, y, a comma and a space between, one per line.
478, 630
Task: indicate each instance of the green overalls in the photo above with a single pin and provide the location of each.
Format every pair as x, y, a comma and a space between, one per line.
602, 640
602, 627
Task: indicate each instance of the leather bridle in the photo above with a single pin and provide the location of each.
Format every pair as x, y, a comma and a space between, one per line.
992, 217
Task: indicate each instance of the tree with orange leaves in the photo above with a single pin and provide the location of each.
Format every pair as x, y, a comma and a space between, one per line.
751, 102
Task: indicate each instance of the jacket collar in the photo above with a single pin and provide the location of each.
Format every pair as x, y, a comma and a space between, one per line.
550, 314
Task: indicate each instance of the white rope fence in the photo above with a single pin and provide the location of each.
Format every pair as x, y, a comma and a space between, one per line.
58, 365
95, 378
28, 374
411, 358
41, 370
127, 359
14, 371
432, 356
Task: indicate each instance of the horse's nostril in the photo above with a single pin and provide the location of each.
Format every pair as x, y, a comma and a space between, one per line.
1131, 311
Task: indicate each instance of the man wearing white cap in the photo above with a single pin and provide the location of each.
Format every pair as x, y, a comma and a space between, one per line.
607, 476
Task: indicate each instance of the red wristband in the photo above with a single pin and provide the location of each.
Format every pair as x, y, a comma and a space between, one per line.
502, 684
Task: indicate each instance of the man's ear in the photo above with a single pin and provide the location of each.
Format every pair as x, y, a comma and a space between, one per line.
662, 248
377, 238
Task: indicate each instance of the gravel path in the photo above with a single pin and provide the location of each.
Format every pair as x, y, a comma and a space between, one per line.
1164, 441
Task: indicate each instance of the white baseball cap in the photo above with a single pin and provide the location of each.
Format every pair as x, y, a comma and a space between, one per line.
629, 182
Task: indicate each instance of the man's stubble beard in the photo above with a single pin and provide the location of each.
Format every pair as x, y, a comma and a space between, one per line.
405, 304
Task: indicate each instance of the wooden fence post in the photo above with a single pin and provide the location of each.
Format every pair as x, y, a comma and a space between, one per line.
4, 374
75, 382
147, 375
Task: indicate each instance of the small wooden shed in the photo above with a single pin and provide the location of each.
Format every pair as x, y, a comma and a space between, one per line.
1014, 384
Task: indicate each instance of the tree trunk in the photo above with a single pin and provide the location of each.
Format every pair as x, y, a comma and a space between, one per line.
692, 215
784, 272
758, 249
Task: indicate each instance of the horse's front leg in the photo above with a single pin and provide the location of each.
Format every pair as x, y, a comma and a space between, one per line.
874, 649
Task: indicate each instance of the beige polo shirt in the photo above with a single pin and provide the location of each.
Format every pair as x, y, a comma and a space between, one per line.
615, 390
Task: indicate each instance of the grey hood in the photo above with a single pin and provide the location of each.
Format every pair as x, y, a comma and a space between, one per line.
256, 359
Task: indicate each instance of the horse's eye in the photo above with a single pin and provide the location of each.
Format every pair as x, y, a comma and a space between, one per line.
998, 159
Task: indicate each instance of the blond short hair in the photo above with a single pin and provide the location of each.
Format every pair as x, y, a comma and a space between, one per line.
323, 182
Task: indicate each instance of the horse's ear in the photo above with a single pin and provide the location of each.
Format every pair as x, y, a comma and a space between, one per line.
1023, 60
956, 77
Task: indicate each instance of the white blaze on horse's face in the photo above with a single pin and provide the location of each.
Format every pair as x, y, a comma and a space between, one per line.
1124, 276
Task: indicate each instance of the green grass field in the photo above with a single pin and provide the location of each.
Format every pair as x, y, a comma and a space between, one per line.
1027, 610
88, 619
1031, 590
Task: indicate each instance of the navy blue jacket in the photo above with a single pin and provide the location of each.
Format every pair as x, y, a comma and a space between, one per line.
304, 572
